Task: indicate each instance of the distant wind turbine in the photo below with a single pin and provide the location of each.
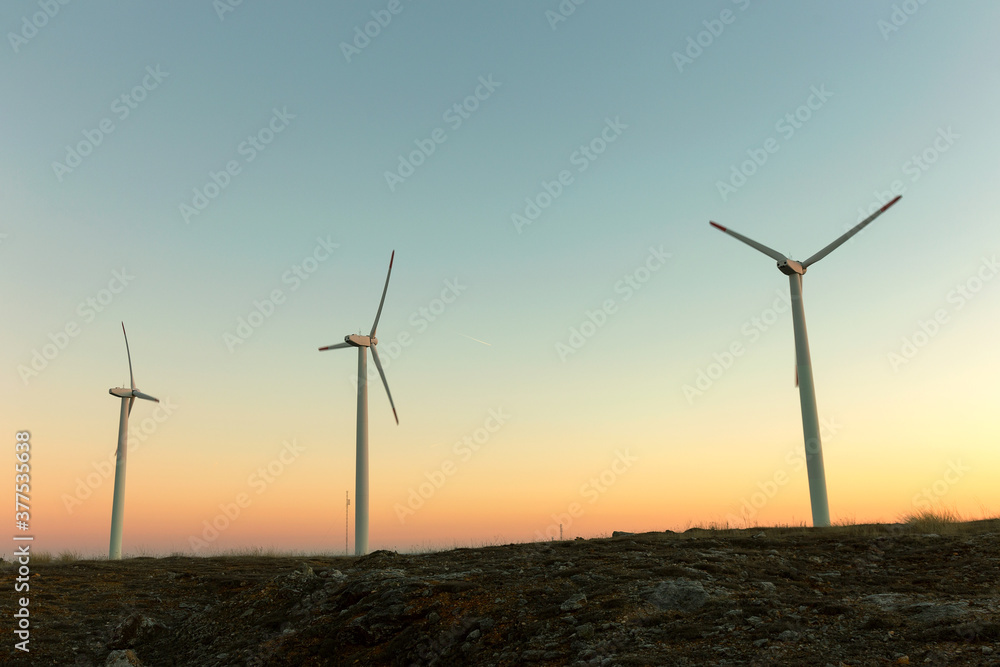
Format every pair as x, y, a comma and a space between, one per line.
128, 397
361, 470
803, 366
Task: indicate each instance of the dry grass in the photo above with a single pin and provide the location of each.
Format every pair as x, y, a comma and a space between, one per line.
46, 557
942, 521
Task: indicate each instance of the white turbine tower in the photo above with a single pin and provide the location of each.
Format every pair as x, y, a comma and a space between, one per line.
803, 366
128, 396
361, 471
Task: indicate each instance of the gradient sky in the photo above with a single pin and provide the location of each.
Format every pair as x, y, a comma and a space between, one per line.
900, 102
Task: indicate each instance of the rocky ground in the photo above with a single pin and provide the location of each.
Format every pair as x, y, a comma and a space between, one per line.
861, 595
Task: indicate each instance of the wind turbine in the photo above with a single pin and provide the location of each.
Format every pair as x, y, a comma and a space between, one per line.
803, 366
128, 397
361, 470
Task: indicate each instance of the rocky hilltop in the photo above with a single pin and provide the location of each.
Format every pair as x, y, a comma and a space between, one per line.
859, 595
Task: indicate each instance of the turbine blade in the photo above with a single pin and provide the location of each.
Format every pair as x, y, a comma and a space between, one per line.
384, 289
131, 400
378, 365
773, 254
139, 394
854, 230
130, 376
335, 346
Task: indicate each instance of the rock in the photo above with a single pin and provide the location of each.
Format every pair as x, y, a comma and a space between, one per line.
136, 629
122, 658
335, 575
574, 602
585, 631
678, 595
788, 636
929, 613
887, 601
621, 533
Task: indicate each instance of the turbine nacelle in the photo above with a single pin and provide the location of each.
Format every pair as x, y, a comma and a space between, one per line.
357, 340
125, 392
790, 267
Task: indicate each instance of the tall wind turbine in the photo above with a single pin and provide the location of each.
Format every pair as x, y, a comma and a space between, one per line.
361, 470
128, 397
803, 366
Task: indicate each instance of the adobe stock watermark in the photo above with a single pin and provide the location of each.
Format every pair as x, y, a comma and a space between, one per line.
591, 491
364, 34
454, 116
786, 126
30, 25
122, 107
697, 44
223, 7
264, 309
626, 288
562, 12
88, 309
768, 488
913, 168
249, 149
900, 16
581, 158
751, 330
419, 321
259, 481
930, 496
463, 449
956, 298
138, 433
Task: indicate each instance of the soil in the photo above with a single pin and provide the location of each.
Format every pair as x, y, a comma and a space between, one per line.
859, 595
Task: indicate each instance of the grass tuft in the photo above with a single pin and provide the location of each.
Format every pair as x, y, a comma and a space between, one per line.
942, 521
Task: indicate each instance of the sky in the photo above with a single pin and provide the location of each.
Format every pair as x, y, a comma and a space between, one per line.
567, 340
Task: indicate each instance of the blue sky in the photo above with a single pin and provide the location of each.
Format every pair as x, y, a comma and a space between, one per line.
906, 104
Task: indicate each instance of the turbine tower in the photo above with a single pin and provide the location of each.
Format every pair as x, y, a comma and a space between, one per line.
128, 397
803, 366
364, 343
